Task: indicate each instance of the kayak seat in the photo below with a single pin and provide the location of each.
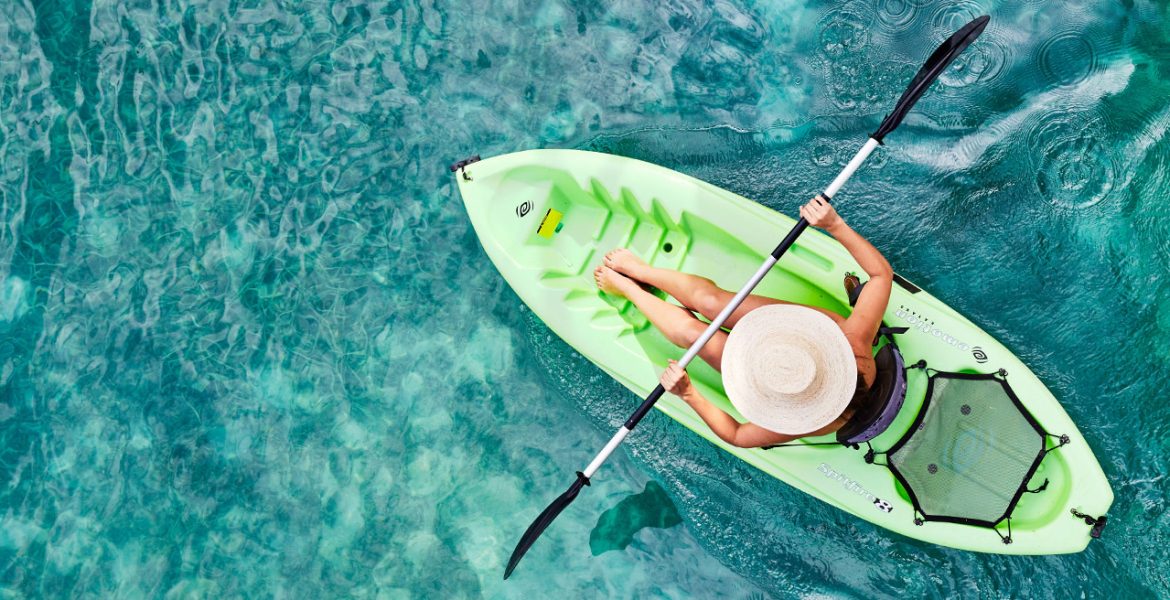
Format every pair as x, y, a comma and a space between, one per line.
887, 393
885, 399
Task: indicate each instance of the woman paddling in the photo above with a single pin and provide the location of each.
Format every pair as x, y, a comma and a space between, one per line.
792, 370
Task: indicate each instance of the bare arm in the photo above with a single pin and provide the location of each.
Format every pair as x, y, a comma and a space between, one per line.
866, 317
743, 435
821, 214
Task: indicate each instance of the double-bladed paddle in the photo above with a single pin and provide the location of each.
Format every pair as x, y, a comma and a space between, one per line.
930, 71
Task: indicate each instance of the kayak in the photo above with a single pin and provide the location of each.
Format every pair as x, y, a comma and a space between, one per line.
546, 218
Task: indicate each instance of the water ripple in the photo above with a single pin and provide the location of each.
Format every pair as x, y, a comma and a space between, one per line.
845, 30
898, 14
1068, 58
953, 14
711, 71
1074, 168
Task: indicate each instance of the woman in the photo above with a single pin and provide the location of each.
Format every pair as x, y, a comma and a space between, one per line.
798, 385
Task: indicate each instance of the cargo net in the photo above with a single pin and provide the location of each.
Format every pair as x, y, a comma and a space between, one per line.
971, 451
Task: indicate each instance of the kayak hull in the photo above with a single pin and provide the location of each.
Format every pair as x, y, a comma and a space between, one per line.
545, 218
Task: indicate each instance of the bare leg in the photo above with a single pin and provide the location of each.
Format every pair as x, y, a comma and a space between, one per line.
678, 325
698, 293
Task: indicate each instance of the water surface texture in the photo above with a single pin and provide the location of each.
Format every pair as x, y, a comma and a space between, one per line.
250, 346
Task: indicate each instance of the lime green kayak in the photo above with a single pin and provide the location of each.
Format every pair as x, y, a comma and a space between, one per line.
547, 217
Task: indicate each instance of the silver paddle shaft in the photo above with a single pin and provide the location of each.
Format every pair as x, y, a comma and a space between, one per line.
717, 322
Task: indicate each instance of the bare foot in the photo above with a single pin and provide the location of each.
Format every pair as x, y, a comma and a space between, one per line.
625, 262
612, 282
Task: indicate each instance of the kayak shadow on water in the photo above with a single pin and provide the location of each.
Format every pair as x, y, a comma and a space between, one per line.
616, 528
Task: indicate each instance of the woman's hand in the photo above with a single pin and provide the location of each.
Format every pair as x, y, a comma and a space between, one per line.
820, 213
675, 380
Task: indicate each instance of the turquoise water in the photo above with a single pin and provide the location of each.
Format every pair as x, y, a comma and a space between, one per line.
250, 347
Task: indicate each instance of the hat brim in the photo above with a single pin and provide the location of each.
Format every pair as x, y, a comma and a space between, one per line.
799, 413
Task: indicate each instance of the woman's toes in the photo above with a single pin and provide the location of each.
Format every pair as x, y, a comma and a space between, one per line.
624, 261
611, 282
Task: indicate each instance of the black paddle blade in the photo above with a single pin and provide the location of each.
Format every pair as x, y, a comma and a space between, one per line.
541, 523
930, 71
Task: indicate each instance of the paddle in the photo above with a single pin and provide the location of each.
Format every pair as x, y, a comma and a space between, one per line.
930, 71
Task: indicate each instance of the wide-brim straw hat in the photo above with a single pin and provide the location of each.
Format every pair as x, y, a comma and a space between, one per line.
789, 369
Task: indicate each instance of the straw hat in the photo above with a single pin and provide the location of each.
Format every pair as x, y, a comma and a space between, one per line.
789, 368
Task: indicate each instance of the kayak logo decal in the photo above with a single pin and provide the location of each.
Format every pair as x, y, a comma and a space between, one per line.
979, 354
524, 208
925, 325
851, 485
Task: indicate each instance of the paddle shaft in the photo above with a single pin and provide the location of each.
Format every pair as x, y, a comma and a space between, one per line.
717, 322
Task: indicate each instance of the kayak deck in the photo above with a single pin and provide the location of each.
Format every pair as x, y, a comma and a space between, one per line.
546, 218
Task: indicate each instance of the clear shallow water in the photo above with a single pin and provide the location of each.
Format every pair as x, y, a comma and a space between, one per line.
249, 344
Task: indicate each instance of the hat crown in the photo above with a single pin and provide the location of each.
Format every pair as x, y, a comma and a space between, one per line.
794, 369
788, 368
